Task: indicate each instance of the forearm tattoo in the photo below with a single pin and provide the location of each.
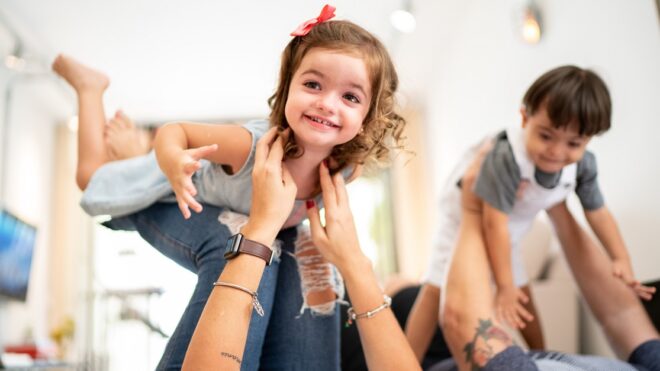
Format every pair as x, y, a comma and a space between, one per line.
480, 350
231, 356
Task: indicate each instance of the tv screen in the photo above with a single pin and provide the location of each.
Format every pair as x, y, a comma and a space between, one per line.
17, 240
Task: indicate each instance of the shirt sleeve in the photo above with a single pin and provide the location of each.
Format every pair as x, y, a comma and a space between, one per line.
587, 187
499, 176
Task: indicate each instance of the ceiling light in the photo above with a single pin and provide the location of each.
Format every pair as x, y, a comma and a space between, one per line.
14, 63
403, 21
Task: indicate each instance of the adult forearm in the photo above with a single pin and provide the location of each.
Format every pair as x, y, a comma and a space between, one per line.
219, 338
366, 295
423, 320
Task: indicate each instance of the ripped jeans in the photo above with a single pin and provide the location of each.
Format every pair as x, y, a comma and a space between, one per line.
284, 338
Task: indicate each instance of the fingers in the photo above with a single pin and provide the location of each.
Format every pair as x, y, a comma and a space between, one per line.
522, 297
508, 315
516, 316
276, 152
202, 152
263, 145
190, 167
644, 292
524, 313
327, 186
340, 189
186, 201
122, 120
318, 232
183, 207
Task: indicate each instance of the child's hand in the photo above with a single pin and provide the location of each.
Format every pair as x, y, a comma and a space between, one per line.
509, 308
180, 175
622, 269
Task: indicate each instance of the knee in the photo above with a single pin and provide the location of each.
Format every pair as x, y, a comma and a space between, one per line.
450, 318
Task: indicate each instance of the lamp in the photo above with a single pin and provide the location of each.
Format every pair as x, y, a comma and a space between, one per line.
402, 19
531, 27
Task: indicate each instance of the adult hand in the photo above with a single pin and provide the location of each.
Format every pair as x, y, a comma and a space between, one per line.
337, 241
273, 188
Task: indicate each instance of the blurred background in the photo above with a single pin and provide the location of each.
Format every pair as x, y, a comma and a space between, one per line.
78, 291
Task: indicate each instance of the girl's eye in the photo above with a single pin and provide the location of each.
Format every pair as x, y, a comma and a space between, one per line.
312, 85
352, 98
545, 136
574, 144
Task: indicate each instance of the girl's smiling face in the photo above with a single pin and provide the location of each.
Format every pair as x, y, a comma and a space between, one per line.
329, 98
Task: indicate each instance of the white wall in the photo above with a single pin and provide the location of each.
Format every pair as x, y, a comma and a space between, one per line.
33, 108
472, 69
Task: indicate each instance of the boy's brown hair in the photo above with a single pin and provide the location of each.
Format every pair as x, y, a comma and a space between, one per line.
572, 96
382, 127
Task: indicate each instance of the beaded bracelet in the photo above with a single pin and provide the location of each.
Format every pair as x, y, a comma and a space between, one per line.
255, 301
352, 316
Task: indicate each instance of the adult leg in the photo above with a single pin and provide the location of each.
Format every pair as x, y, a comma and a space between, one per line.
198, 244
89, 85
295, 340
532, 333
475, 337
615, 305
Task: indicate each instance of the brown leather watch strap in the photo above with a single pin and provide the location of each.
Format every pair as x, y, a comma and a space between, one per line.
255, 248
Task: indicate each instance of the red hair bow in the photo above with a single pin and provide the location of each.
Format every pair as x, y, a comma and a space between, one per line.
327, 13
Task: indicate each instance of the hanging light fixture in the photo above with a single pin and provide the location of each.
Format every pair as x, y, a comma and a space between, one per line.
531, 27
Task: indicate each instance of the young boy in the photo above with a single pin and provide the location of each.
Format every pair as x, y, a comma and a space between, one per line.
529, 169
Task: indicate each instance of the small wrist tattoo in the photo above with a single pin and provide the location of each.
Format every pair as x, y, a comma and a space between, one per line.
231, 356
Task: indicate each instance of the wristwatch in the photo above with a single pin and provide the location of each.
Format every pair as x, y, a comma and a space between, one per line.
238, 244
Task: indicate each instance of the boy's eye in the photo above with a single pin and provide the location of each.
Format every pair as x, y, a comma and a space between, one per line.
352, 98
574, 144
545, 136
312, 85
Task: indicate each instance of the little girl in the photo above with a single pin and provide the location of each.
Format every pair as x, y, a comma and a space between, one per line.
335, 94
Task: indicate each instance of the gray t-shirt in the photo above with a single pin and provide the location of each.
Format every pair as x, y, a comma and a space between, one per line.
500, 177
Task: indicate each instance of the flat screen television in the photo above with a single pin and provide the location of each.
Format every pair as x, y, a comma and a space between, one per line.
17, 239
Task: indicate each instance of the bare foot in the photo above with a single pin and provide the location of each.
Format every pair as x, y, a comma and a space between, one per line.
81, 77
124, 139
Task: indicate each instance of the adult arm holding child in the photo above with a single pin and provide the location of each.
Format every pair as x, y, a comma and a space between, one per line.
385, 346
423, 319
219, 338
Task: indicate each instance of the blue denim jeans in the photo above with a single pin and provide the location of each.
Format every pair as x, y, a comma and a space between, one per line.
282, 339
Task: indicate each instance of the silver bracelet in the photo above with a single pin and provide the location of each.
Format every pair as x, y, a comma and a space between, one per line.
255, 301
352, 316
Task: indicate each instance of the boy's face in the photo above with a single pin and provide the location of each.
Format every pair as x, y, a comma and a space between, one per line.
548, 147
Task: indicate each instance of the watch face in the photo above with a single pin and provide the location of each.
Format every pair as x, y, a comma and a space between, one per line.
233, 243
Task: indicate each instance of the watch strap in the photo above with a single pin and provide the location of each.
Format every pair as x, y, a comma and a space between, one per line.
256, 249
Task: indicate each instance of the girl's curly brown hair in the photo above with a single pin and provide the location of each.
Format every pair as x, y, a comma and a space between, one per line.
382, 127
